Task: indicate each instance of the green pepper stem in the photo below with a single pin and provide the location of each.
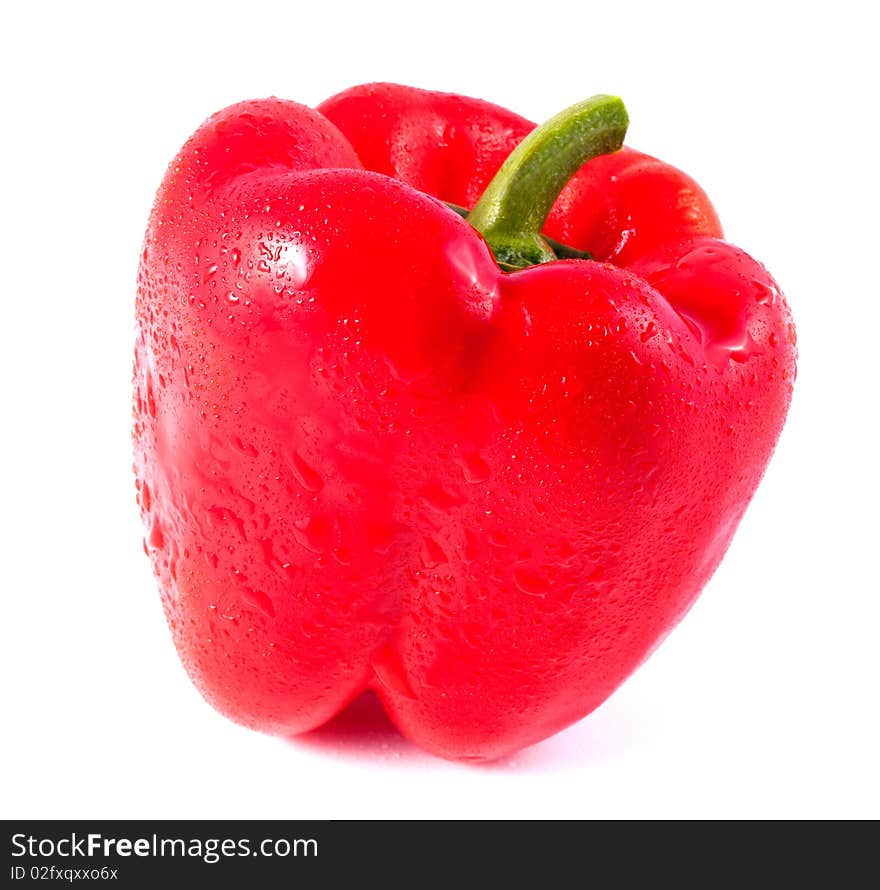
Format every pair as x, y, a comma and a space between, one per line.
562, 251
513, 209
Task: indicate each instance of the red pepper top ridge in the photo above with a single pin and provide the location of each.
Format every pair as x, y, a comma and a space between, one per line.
410, 134
368, 458
617, 206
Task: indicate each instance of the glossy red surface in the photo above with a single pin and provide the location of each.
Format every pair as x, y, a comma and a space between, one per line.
367, 458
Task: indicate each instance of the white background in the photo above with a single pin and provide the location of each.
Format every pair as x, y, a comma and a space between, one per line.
763, 703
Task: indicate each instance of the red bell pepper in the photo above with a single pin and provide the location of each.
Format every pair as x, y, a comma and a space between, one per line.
381, 446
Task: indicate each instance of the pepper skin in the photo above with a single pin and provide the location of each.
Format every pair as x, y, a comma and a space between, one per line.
369, 458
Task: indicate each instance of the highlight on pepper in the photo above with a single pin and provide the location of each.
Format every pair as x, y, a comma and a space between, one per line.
437, 404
